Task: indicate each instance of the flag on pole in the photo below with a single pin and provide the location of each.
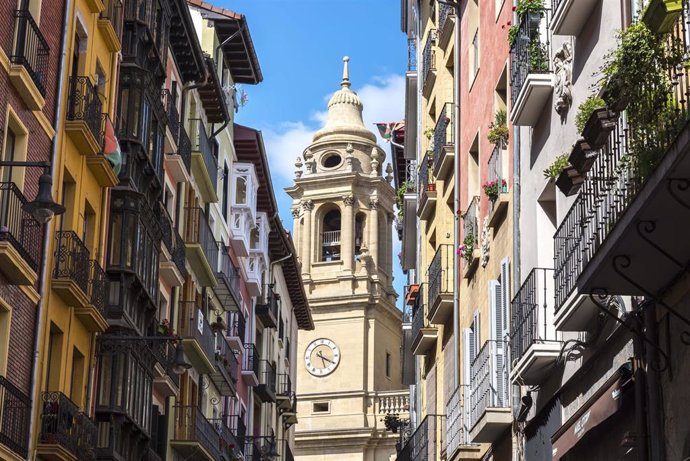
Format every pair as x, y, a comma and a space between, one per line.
111, 147
386, 129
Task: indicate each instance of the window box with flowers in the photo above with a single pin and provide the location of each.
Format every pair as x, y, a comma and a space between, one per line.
470, 253
497, 193
164, 328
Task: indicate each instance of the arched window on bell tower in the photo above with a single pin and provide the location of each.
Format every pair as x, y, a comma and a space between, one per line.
330, 236
360, 222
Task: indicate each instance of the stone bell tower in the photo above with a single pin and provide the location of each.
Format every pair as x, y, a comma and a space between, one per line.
350, 363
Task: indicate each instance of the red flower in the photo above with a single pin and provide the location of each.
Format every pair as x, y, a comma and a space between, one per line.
514, 8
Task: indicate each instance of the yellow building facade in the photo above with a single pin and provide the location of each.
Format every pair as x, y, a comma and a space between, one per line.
75, 294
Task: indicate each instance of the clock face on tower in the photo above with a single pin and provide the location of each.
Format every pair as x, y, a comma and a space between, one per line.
321, 357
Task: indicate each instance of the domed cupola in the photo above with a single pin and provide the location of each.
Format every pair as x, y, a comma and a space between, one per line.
344, 114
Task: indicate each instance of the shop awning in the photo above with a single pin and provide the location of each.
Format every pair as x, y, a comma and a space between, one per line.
598, 409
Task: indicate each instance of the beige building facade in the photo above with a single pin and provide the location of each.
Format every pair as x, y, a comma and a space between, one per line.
349, 372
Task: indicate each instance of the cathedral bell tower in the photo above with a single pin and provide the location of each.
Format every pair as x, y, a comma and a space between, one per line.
343, 216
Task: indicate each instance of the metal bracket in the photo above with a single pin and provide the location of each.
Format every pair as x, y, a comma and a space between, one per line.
622, 262
600, 295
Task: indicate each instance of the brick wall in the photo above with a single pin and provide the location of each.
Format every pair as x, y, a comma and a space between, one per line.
20, 356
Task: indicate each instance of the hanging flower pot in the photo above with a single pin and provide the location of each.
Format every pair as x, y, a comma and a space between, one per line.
534, 19
661, 15
614, 95
582, 157
569, 181
600, 124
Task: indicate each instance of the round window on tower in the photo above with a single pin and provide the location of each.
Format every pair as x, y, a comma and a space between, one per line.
331, 160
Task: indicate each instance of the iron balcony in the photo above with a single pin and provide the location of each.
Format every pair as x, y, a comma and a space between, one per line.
15, 408
20, 237
65, 429
31, 50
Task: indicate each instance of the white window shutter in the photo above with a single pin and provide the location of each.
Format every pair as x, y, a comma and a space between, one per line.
498, 358
477, 329
467, 356
505, 284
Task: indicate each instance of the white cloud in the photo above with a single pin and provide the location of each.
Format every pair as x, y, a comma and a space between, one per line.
383, 101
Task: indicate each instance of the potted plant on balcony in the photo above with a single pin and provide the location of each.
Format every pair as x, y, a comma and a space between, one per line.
466, 250
661, 15
533, 10
595, 121
164, 328
644, 61
392, 422
582, 157
569, 181
498, 129
558, 165
494, 188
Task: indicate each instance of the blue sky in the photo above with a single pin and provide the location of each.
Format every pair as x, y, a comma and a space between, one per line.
300, 45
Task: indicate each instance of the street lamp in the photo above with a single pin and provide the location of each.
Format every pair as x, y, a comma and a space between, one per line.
179, 364
43, 207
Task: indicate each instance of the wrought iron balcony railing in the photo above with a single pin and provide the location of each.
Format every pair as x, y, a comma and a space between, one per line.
198, 230
98, 286
441, 274
496, 168
227, 367
196, 326
267, 311
251, 359
84, 105
531, 51
170, 105
228, 287
15, 416
425, 183
31, 49
71, 259
470, 224
167, 228
424, 443
457, 432
184, 148
420, 313
238, 428
63, 424
258, 448
201, 144
429, 55
192, 426
113, 13
411, 54
284, 386
18, 226
268, 374
444, 11
630, 156
444, 134
531, 307
489, 385
237, 325
164, 352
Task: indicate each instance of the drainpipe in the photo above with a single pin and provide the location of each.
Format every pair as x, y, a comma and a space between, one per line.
456, 196
655, 407
39, 327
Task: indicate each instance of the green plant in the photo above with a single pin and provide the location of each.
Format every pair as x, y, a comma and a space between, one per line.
586, 109
492, 189
524, 6
467, 247
512, 34
498, 129
642, 61
558, 165
429, 132
538, 55
400, 195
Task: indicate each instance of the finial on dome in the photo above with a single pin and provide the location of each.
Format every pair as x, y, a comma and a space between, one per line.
346, 72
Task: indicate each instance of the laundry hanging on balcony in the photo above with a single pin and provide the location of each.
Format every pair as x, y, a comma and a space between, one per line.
111, 148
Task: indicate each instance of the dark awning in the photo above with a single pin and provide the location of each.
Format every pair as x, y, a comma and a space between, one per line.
595, 411
184, 43
249, 148
212, 95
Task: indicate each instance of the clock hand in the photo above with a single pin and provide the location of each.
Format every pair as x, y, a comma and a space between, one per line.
320, 355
